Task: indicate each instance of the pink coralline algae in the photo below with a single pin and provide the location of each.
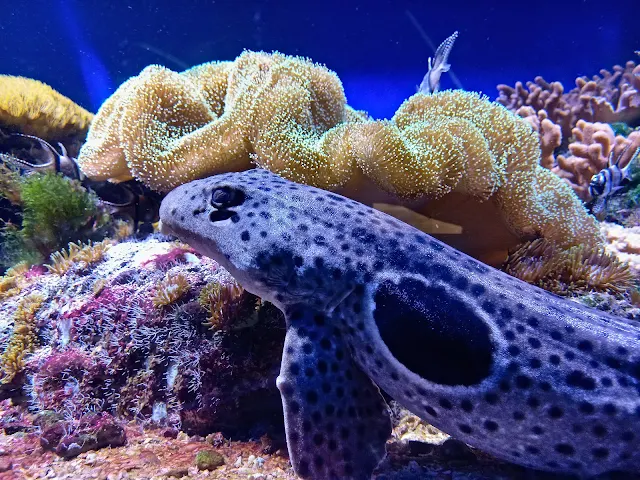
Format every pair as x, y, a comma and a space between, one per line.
107, 355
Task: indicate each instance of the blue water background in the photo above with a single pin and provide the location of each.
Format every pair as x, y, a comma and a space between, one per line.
85, 49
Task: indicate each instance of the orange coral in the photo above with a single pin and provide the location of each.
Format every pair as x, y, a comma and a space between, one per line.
609, 97
170, 289
550, 134
590, 151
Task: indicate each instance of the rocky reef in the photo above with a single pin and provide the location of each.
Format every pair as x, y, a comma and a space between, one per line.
140, 344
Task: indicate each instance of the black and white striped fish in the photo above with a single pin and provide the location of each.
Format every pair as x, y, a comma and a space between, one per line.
610, 180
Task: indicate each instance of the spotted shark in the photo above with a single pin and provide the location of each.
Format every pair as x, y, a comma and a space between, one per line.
374, 304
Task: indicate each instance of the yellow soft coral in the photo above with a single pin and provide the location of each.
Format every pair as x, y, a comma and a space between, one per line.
35, 108
77, 253
474, 164
166, 128
454, 157
170, 289
23, 338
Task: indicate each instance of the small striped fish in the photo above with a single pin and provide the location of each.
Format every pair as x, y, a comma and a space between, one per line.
610, 180
431, 81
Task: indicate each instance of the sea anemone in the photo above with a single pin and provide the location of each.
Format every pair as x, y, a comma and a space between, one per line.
564, 272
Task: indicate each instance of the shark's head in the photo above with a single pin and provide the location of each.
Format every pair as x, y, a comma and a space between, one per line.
252, 223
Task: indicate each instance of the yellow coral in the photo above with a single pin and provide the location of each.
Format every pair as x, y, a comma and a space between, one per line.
229, 305
453, 157
23, 338
578, 269
170, 289
13, 280
35, 108
166, 128
464, 149
88, 254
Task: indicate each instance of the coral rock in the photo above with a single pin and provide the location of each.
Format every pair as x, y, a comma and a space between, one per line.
624, 243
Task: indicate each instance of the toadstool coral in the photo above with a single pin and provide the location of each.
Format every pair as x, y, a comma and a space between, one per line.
453, 156
166, 128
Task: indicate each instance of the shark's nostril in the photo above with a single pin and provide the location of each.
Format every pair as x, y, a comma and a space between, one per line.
219, 215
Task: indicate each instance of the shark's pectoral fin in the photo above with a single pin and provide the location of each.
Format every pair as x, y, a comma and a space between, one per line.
336, 421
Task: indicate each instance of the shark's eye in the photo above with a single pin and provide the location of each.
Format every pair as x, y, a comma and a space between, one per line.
225, 197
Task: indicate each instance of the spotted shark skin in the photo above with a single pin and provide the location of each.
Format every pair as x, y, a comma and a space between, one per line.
371, 302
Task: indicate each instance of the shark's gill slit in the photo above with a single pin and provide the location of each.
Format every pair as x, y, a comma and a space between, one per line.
449, 344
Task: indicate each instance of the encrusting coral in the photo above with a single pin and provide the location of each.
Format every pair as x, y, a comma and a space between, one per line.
34, 108
105, 348
290, 116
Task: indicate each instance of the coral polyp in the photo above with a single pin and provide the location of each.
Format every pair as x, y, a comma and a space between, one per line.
228, 304
170, 289
23, 339
77, 253
579, 269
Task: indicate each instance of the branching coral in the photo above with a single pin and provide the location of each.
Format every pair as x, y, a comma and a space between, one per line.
170, 289
35, 108
23, 339
610, 97
77, 253
591, 148
228, 304
578, 269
